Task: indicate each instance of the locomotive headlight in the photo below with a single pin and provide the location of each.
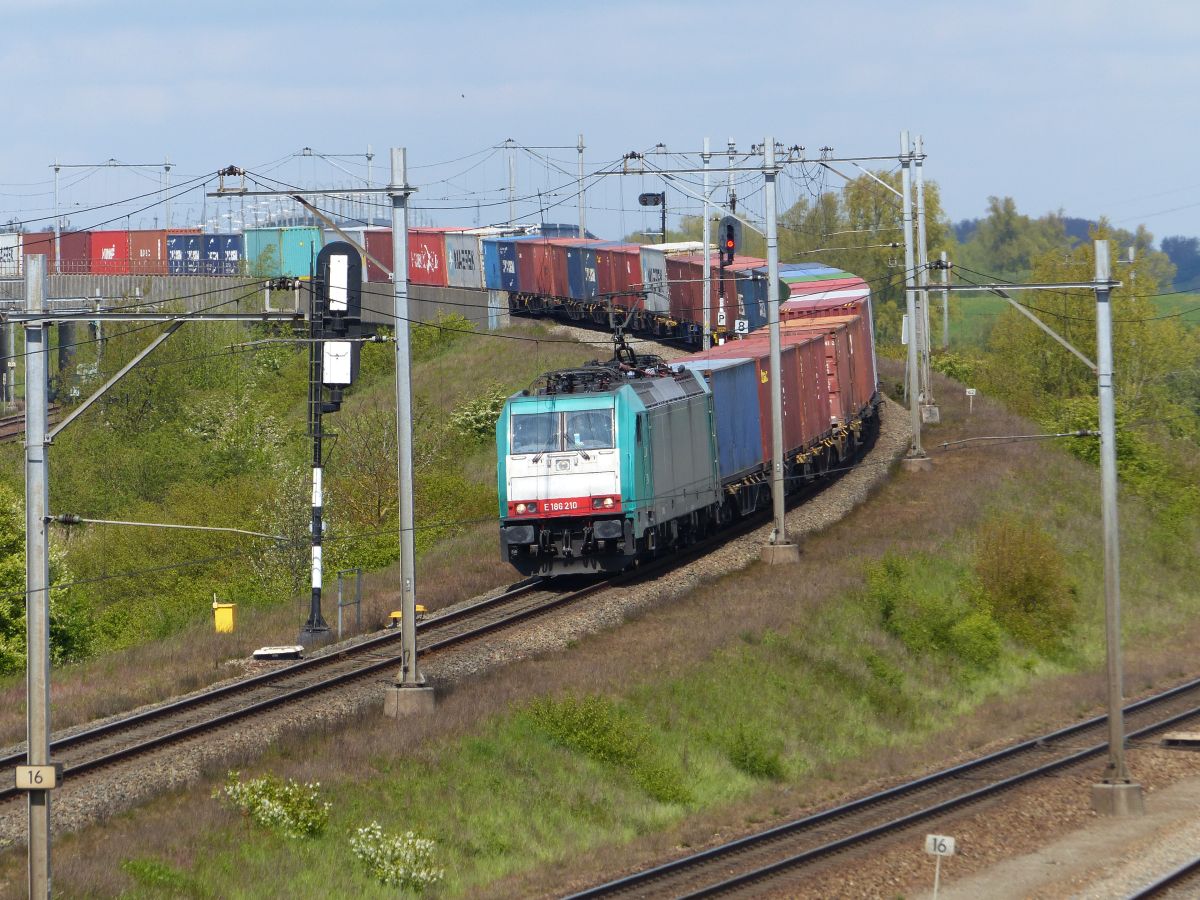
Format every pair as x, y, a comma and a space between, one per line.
520, 509
608, 502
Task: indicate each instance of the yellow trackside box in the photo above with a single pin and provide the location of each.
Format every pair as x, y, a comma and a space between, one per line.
224, 617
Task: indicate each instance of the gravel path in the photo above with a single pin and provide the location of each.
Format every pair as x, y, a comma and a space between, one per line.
86, 802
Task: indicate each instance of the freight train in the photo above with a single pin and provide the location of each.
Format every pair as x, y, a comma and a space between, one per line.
604, 465
659, 287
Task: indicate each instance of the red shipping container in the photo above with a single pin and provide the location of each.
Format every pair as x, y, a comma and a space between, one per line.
109, 253
541, 270
684, 289
848, 389
689, 282
40, 243
148, 252
74, 252
625, 272
427, 256
379, 245
822, 298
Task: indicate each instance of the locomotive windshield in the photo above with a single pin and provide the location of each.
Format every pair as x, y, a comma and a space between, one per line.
590, 429
537, 433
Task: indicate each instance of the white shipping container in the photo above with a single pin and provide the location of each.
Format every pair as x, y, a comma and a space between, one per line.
464, 260
10, 255
654, 279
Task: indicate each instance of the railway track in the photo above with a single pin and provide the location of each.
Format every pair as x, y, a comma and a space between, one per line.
1182, 882
123, 740
12, 427
778, 857
130, 737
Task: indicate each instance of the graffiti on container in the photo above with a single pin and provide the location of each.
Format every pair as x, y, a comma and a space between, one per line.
508, 266
589, 275
464, 260
7, 255
425, 260
108, 252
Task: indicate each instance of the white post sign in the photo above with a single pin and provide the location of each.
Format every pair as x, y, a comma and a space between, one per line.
938, 845
970, 400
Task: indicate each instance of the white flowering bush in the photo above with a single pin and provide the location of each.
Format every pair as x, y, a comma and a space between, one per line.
476, 419
397, 860
294, 809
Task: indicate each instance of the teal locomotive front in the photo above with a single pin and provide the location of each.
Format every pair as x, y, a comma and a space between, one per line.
603, 466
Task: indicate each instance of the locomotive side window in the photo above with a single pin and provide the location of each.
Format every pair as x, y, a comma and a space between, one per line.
589, 429
537, 433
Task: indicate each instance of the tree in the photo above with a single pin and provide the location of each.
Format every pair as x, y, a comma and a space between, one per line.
1036, 375
1184, 253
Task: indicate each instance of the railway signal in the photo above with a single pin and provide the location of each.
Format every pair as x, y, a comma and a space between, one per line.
729, 232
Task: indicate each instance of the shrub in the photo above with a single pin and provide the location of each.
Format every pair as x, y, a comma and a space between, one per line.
476, 419
428, 341
750, 753
1023, 576
954, 365
397, 860
596, 727
294, 809
933, 611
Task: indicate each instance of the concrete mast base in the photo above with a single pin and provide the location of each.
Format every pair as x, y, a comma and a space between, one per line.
780, 554
1122, 798
405, 700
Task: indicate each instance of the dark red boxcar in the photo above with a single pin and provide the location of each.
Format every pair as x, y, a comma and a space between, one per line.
74, 252
379, 245
40, 243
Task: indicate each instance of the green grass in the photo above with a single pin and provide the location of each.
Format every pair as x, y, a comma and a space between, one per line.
1187, 304
534, 787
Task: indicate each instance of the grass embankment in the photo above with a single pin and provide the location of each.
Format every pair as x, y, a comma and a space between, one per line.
161, 612
899, 640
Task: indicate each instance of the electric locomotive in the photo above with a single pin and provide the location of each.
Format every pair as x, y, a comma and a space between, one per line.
605, 463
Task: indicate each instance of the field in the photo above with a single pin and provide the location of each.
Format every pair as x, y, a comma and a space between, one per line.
979, 313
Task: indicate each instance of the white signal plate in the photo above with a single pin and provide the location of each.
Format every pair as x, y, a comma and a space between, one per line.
37, 778
291, 651
939, 845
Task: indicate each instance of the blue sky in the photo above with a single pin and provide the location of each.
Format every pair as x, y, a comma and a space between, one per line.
1085, 105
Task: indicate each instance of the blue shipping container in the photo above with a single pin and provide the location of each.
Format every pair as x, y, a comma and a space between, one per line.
752, 297
210, 255
507, 252
183, 253
491, 264
734, 385
233, 250
581, 272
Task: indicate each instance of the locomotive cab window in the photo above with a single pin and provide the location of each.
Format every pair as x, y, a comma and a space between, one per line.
589, 429
536, 433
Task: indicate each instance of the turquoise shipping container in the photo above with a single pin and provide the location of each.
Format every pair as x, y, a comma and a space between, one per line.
287, 252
